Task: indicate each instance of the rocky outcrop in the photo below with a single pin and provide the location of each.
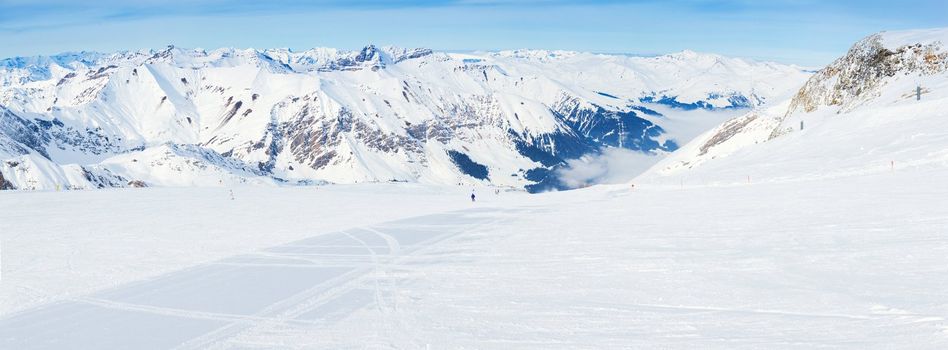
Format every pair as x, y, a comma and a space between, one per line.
863, 71
4, 184
727, 131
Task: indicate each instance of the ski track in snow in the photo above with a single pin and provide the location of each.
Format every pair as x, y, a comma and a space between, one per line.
220, 299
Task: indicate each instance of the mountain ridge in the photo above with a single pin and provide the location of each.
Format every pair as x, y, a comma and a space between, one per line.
876, 108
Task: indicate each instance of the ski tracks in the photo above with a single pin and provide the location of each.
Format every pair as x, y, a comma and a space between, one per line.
302, 285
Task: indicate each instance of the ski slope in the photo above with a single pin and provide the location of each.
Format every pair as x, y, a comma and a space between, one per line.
856, 262
59, 244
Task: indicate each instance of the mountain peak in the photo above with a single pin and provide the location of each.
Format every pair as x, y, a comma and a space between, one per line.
368, 53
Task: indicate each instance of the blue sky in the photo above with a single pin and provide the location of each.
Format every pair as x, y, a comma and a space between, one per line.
806, 32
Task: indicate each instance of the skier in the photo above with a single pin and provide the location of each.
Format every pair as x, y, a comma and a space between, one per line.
472, 196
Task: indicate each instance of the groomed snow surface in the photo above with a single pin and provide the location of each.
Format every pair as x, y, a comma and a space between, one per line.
841, 262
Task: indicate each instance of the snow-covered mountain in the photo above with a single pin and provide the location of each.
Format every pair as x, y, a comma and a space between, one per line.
881, 107
177, 117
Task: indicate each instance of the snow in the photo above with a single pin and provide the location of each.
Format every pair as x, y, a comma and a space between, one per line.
853, 263
60, 244
896, 39
856, 262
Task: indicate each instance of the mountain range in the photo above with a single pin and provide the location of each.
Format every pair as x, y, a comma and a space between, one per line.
192, 117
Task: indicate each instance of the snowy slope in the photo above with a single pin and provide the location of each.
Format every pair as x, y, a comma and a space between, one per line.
881, 107
376, 114
846, 263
